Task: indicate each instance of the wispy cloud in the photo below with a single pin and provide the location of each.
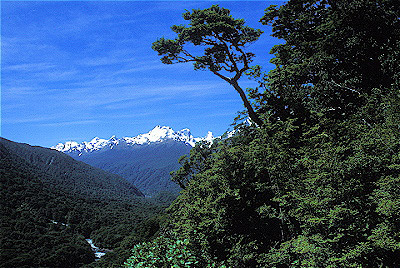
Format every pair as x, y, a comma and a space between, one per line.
17, 91
123, 96
209, 103
134, 115
29, 67
31, 119
107, 60
68, 65
129, 103
59, 75
118, 56
144, 67
25, 49
69, 123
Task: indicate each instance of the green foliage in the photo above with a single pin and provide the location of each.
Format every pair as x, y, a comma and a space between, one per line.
335, 53
198, 160
66, 174
30, 236
228, 204
164, 252
317, 183
140, 233
43, 224
334, 80
224, 40
222, 36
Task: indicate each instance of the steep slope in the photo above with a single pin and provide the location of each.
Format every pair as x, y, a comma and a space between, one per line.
28, 237
146, 166
65, 173
46, 214
145, 160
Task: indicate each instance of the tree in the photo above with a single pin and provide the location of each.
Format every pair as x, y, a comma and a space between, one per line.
334, 55
198, 160
318, 184
165, 252
337, 75
223, 38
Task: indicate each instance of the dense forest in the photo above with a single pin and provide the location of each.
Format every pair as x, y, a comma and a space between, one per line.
310, 176
314, 179
50, 203
63, 172
146, 166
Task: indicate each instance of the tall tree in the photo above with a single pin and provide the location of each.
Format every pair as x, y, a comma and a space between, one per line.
223, 38
318, 184
335, 53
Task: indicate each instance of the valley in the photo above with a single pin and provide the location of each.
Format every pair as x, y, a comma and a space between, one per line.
51, 203
308, 177
145, 160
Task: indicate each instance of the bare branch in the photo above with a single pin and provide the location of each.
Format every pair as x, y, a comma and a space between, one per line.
345, 87
227, 79
245, 62
230, 56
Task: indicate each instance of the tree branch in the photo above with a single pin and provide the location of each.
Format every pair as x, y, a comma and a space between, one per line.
227, 79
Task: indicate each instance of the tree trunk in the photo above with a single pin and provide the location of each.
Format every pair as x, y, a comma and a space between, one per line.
253, 116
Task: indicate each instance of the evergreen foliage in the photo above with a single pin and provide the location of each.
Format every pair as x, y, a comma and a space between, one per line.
141, 232
146, 166
317, 183
65, 173
162, 252
224, 40
336, 53
44, 222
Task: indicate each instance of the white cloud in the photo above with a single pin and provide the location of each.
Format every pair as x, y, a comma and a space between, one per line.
59, 75
155, 65
17, 91
33, 119
69, 123
29, 67
107, 60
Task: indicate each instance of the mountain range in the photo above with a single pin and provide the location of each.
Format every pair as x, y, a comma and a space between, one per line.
145, 160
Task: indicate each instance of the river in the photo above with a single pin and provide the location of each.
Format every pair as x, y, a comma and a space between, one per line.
98, 252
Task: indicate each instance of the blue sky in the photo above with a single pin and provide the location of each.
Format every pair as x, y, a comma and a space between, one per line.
76, 70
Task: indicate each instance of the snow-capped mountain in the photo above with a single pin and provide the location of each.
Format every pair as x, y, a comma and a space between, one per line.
145, 160
156, 135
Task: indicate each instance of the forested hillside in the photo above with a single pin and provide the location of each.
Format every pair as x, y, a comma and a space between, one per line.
315, 180
62, 171
50, 203
145, 166
145, 160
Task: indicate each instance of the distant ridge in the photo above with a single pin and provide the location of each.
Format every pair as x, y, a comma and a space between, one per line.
156, 135
145, 160
65, 173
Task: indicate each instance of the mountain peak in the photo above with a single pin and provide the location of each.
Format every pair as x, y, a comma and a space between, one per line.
113, 138
157, 134
209, 136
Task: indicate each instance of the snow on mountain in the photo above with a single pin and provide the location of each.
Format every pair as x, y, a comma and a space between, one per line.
158, 134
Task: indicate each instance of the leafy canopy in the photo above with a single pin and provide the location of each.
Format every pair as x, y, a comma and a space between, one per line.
222, 36
224, 40
334, 55
317, 185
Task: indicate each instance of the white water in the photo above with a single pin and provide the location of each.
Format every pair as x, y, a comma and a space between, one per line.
96, 250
